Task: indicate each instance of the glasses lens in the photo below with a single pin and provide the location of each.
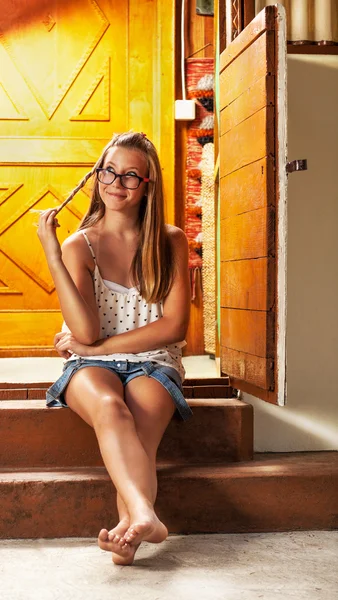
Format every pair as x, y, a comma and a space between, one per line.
106, 176
130, 181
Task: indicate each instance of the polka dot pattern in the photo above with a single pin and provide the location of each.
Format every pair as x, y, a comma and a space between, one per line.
125, 311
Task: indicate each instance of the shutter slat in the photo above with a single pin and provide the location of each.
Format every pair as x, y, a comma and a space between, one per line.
236, 189
234, 146
253, 274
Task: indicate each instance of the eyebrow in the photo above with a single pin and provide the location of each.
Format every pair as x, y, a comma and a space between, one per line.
128, 169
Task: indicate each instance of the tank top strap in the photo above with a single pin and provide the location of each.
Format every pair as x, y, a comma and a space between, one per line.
89, 246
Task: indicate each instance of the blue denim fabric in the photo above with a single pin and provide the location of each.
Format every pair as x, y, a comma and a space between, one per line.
126, 371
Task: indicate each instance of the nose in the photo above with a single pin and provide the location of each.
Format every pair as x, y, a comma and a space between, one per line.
117, 181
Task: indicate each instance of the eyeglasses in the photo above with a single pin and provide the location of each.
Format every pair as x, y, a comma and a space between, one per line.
128, 180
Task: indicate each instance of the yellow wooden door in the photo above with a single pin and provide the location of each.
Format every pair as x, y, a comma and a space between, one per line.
72, 73
253, 207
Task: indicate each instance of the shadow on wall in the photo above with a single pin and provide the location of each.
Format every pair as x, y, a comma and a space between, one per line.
310, 419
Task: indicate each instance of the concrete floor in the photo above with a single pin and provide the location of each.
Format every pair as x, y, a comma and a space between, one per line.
279, 566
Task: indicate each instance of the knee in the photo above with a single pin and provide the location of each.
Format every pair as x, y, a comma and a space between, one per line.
111, 409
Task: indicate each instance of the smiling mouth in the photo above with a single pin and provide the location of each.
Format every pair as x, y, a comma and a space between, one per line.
116, 195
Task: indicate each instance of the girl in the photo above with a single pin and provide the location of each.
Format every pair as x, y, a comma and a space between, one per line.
123, 286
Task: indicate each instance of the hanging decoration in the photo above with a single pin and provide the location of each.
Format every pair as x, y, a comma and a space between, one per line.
200, 83
209, 248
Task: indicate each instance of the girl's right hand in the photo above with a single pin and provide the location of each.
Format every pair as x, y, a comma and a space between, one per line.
57, 338
47, 234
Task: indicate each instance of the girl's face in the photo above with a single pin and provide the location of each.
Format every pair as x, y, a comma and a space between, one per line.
123, 161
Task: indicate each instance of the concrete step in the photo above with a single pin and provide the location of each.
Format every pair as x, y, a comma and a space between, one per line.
32, 435
274, 492
210, 387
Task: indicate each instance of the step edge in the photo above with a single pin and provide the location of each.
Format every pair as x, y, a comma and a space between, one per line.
40, 404
256, 467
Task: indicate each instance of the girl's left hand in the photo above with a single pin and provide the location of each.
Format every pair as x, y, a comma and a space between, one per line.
68, 343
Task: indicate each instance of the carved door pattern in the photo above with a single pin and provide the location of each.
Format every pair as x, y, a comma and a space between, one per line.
72, 73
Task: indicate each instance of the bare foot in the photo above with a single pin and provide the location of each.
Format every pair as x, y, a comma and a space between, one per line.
118, 532
125, 560
115, 535
122, 549
148, 529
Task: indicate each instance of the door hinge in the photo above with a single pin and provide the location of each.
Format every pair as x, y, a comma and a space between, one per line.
296, 165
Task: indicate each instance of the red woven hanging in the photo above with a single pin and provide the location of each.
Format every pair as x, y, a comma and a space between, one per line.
197, 68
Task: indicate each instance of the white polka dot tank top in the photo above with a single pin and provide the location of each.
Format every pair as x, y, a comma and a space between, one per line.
123, 309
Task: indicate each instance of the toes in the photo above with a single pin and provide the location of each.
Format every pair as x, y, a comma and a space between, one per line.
103, 540
103, 535
112, 542
130, 535
118, 531
105, 546
114, 538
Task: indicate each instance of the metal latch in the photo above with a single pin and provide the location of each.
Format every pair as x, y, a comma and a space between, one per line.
296, 165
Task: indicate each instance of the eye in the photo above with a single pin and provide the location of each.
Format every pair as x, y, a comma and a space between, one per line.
131, 174
109, 169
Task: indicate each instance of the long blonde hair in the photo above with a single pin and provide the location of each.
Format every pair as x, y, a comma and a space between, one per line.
152, 268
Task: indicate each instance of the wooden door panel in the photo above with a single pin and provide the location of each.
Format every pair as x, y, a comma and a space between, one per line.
248, 235
249, 353
256, 62
52, 24
259, 129
28, 329
236, 189
21, 225
252, 176
253, 274
249, 102
253, 370
250, 331
53, 51
20, 291
50, 151
72, 74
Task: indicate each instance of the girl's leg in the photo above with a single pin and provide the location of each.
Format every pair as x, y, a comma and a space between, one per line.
117, 533
152, 408
123, 525
97, 396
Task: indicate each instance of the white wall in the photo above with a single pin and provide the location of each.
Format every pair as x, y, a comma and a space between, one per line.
310, 419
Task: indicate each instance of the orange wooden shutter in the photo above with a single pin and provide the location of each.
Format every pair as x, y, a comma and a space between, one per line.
253, 207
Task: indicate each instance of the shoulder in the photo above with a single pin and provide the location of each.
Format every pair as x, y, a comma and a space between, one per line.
179, 243
176, 235
75, 249
75, 242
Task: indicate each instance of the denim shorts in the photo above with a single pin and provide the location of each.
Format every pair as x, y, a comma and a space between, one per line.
126, 371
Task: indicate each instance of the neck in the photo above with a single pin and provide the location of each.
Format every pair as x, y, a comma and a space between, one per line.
120, 224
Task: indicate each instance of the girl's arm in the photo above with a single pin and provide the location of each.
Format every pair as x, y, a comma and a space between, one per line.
171, 328
72, 277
